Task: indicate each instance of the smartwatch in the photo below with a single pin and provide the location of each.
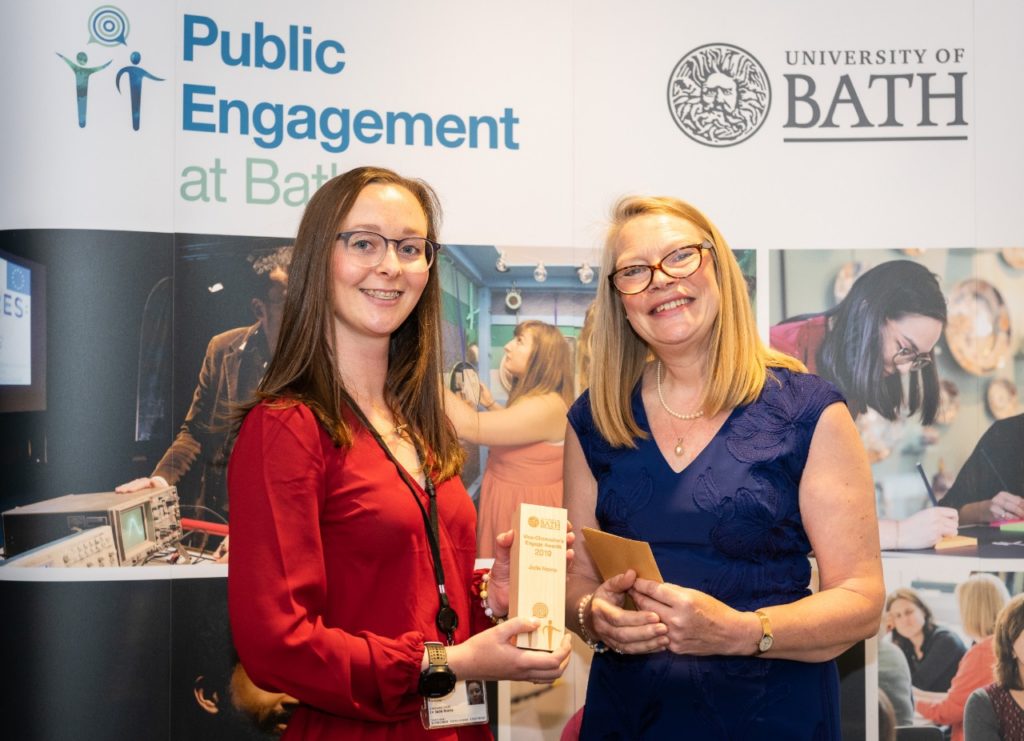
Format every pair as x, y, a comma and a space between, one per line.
767, 639
437, 680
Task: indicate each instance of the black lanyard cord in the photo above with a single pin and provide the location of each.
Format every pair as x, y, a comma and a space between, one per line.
447, 619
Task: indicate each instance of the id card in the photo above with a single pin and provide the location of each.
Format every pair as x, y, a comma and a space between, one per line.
466, 705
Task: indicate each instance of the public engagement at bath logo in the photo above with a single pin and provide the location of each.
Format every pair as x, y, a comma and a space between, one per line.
108, 27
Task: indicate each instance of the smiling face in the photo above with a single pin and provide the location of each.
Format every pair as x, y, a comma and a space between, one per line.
907, 618
912, 333
671, 312
373, 302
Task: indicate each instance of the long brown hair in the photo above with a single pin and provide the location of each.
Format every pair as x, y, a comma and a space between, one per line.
548, 369
908, 594
303, 368
737, 362
1009, 626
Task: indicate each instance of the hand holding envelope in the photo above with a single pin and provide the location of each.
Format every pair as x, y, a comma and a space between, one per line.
616, 621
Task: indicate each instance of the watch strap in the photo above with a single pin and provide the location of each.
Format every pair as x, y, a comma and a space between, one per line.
436, 655
767, 637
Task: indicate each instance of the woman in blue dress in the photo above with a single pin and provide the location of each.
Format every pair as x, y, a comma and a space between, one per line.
734, 465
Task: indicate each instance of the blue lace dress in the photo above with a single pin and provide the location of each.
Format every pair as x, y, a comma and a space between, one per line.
729, 525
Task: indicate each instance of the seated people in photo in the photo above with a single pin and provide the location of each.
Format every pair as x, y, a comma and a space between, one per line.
996, 712
981, 598
232, 368
933, 652
887, 721
894, 679
990, 486
884, 328
524, 461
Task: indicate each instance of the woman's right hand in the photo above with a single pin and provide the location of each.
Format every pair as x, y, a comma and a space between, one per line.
146, 482
493, 655
925, 528
622, 630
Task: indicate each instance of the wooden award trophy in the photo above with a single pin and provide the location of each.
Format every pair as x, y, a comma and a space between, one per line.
537, 586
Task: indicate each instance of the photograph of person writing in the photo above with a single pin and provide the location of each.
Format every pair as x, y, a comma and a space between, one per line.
990, 486
352, 586
734, 464
885, 328
524, 459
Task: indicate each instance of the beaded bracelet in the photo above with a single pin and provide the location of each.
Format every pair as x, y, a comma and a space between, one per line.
597, 646
496, 619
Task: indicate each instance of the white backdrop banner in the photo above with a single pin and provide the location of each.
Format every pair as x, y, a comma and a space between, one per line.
793, 124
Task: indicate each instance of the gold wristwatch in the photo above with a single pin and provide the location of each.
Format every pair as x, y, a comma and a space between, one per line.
767, 639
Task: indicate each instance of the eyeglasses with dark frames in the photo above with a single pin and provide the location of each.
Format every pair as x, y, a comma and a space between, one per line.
368, 250
681, 262
910, 357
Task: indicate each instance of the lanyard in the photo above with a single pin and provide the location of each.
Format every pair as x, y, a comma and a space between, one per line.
447, 619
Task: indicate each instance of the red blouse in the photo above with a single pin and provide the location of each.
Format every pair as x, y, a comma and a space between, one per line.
331, 588
802, 339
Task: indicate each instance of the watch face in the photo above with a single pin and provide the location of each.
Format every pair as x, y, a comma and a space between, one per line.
765, 644
437, 682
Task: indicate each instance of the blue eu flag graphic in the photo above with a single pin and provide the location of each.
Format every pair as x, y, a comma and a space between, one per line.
19, 279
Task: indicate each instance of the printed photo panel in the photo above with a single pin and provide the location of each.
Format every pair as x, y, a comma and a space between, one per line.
925, 351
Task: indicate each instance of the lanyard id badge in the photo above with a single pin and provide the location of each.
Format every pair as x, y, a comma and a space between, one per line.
466, 705
447, 620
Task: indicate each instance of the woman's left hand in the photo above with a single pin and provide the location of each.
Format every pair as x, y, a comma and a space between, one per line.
1006, 506
498, 584
486, 399
698, 624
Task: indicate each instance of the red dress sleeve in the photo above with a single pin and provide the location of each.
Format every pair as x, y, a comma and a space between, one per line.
283, 609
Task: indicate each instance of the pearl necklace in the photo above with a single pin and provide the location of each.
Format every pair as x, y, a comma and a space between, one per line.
680, 448
661, 397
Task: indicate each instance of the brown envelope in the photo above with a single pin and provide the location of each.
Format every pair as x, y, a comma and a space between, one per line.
614, 555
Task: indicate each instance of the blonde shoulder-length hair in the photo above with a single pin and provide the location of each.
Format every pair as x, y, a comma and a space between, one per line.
737, 360
981, 598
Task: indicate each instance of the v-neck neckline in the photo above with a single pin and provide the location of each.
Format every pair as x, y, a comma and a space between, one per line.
645, 425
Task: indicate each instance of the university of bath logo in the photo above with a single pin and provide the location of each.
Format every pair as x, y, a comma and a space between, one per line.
719, 95
108, 27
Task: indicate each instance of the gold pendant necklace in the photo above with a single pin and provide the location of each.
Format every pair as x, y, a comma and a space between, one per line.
680, 448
